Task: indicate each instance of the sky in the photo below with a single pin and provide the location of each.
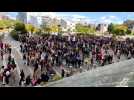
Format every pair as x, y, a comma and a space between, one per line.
95, 17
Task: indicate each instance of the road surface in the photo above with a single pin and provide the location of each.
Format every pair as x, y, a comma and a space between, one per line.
15, 45
119, 74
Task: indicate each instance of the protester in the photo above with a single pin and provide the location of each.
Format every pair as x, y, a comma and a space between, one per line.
7, 76
49, 52
24, 59
28, 80
62, 73
22, 78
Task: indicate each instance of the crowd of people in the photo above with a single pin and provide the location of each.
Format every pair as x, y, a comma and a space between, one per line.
6, 70
44, 53
9, 74
49, 51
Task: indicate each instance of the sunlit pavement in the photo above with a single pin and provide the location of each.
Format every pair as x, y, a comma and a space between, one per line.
119, 74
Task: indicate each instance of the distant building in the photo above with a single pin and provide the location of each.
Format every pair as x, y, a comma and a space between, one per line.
102, 28
131, 28
33, 21
63, 25
55, 21
3, 17
130, 24
71, 26
92, 25
22, 16
46, 20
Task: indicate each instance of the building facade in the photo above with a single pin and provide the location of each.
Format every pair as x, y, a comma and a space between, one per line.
102, 28
46, 20
22, 16
130, 24
33, 21
71, 26
63, 24
2, 17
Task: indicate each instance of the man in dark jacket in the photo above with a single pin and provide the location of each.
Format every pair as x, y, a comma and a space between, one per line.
28, 80
44, 77
22, 75
62, 73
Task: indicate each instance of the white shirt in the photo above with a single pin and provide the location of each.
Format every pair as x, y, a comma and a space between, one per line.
74, 38
110, 52
42, 56
118, 52
7, 73
68, 38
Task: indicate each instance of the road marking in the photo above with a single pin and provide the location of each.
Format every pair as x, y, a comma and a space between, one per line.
123, 83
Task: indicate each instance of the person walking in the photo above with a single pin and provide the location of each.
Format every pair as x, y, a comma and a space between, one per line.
129, 55
62, 72
4, 78
22, 77
118, 55
24, 58
13, 75
28, 80
2, 75
9, 49
2, 53
7, 76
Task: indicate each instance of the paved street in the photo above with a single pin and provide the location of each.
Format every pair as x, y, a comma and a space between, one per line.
115, 75
28, 70
109, 75
18, 58
84, 67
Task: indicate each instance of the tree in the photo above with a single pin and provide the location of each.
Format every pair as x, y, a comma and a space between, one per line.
128, 32
84, 29
68, 30
54, 28
81, 28
20, 27
37, 31
46, 28
30, 28
120, 29
111, 28
7, 23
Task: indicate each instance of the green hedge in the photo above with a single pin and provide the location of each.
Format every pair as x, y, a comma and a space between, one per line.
14, 35
56, 77
45, 34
